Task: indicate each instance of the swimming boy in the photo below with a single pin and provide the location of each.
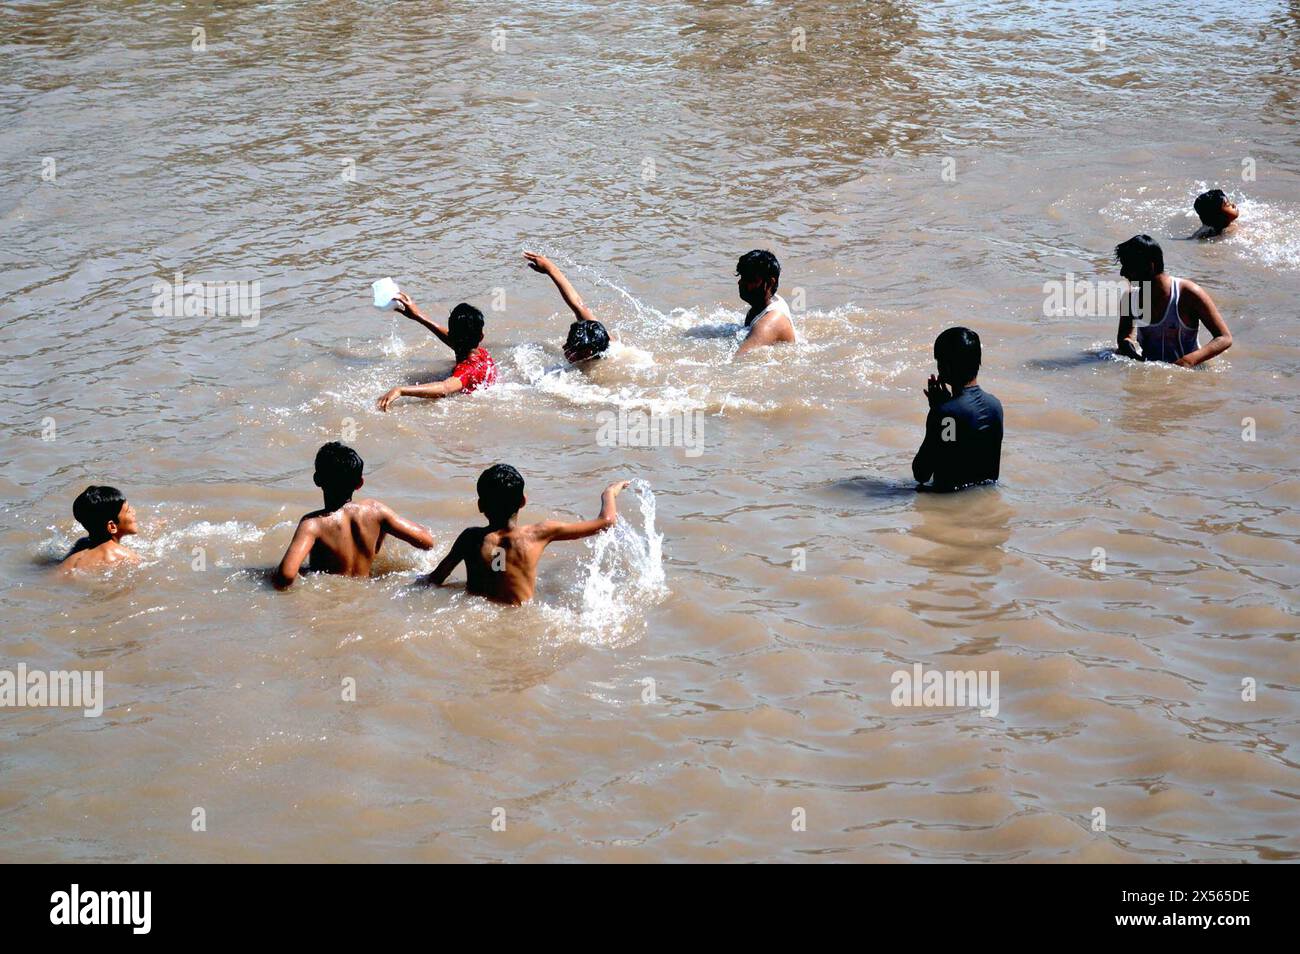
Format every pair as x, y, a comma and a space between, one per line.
1182, 307
107, 517
1217, 213
587, 337
501, 558
344, 536
768, 318
464, 333
963, 431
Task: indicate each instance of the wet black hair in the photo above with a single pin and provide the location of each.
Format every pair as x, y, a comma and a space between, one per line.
1140, 250
759, 264
500, 492
957, 351
338, 468
95, 507
588, 337
465, 328
1209, 206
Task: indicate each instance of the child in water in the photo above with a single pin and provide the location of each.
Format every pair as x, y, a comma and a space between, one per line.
501, 558
1176, 309
587, 337
463, 335
344, 536
107, 517
963, 431
1217, 213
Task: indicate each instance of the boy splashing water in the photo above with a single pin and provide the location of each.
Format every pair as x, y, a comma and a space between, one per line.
107, 517
501, 558
463, 335
587, 336
344, 536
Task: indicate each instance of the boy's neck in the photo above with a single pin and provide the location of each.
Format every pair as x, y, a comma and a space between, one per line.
335, 501
508, 524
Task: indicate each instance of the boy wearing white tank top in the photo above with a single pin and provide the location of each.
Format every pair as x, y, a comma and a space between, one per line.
768, 318
1176, 309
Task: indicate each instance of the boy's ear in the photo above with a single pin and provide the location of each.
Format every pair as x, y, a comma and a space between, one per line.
523, 502
361, 482
315, 479
480, 506
112, 527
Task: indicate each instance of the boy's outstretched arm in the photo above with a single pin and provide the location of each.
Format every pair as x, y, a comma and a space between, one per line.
436, 390
449, 562
411, 310
551, 530
540, 263
414, 534
299, 547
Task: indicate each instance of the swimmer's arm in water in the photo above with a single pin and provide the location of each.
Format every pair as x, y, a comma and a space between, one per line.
452, 560
1203, 309
1126, 337
411, 310
414, 534
299, 548
437, 389
540, 263
549, 531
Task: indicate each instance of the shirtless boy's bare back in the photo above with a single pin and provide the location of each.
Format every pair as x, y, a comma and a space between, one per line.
346, 535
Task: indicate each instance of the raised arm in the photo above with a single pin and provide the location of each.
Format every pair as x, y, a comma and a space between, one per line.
414, 534
453, 558
1207, 314
407, 307
552, 530
540, 263
299, 548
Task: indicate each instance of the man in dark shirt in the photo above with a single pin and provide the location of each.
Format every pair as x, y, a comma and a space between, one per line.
963, 432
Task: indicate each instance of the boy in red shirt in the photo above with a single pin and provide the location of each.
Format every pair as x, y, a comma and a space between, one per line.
463, 335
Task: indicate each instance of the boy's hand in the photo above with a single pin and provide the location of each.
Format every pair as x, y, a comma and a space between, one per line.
617, 487
389, 398
936, 391
538, 263
407, 307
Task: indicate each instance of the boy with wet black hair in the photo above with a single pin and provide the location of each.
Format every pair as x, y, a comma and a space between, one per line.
1217, 213
768, 318
345, 536
1175, 309
464, 333
963, 431
587, 337
501, 558
107, 517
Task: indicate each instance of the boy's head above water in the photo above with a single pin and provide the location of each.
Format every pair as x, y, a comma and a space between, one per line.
465, 329
957, 352
105, 514
586, 340
1140, 258
1216, 210
338, 471
760, 274
500, 494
